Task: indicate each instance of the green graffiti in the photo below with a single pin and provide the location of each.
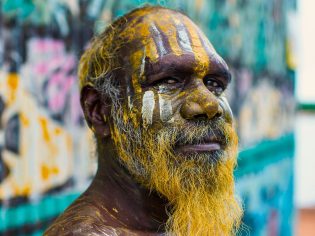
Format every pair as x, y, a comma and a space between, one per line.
21, 9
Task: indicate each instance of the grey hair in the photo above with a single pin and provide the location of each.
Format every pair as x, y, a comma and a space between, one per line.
108, 87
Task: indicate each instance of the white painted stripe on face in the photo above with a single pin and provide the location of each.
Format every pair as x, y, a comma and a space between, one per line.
183, 37
159, 40
142, 64
166, 110
148, 104
227, 106
208, 46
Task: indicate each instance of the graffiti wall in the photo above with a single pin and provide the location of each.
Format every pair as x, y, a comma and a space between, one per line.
45, 146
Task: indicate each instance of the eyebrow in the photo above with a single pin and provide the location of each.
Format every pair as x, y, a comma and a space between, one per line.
169, 64
184, 64
218, 67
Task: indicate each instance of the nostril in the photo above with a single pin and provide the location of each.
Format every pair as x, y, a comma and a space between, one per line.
218, 115
201, 116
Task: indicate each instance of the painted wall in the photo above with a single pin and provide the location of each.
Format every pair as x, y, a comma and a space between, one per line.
45, 146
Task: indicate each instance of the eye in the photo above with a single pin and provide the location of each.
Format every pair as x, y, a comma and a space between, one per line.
214, 85
167, 80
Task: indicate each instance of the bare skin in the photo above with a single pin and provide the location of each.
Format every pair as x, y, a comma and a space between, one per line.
191, 79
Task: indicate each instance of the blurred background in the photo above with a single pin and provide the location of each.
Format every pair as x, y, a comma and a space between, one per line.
47, 153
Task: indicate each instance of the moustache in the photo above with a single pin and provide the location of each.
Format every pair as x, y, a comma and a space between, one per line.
199, 132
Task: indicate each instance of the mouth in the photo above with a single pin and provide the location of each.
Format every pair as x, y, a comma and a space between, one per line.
206, 147
208, 144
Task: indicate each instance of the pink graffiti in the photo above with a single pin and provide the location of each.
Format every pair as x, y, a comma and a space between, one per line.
53, 71
58, 88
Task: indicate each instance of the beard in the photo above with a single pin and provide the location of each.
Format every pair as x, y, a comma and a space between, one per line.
198, 186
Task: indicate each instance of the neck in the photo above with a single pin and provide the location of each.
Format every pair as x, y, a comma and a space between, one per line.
124, 202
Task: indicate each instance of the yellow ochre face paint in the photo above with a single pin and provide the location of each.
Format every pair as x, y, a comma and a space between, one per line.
149, 44
158, 36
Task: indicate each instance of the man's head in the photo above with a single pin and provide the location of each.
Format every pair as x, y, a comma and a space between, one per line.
153, 87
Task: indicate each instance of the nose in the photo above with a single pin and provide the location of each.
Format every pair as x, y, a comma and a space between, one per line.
201, 103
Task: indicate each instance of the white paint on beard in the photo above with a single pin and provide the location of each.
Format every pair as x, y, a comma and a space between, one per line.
165, 108
129, 103
148, 104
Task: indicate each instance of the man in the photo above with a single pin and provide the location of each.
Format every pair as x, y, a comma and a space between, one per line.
152, 91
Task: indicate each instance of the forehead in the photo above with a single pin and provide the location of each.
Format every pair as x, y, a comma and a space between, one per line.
159, 33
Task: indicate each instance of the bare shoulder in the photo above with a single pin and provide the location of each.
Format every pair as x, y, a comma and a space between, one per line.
82, 218
86, 217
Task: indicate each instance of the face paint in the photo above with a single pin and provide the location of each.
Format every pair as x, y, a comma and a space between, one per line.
198, 186
142, 64
183, 37
165, 108
225, 104
160, 43
205, 43
148, 104
169, 28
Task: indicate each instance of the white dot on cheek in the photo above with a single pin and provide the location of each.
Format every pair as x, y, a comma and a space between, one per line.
166, 110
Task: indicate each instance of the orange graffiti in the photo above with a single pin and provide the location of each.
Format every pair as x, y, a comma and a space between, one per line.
45, 133
13, 83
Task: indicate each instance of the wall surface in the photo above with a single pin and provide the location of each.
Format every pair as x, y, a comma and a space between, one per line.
305, 160
45, 147
305, 122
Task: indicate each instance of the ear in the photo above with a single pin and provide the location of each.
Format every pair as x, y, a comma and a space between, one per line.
96, 110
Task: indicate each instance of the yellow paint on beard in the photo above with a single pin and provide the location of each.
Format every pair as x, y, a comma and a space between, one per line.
200, 191
202, 195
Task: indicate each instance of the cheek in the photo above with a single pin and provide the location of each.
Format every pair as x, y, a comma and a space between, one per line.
148, 104
153, 107
169, 106
228, 114
165, 108
156, 108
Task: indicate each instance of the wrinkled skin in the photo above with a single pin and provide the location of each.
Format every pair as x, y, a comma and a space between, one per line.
172, 83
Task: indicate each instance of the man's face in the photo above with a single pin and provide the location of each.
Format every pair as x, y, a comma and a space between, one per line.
175, 78
174, 130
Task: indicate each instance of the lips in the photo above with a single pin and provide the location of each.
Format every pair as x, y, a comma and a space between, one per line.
206, 147
207, 144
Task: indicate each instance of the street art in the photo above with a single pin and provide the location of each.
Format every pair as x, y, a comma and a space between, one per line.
268, 198
35, 151
50, 75
44, 143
